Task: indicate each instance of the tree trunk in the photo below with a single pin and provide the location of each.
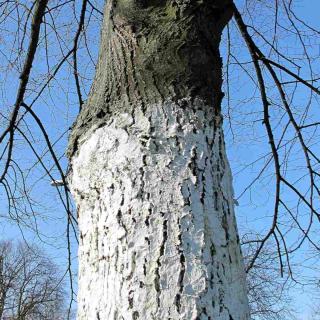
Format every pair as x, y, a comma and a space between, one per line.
158, 237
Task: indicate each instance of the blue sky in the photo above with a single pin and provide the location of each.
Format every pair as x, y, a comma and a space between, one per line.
246, 138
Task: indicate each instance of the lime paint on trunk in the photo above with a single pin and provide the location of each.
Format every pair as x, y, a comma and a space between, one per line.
158, 236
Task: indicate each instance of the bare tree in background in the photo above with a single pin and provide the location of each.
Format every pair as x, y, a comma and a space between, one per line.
268, 292
30, 284
136, 73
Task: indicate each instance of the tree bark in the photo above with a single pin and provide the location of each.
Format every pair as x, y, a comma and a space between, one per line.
149, 173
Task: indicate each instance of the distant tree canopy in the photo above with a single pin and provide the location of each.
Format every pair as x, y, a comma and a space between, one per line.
30, 284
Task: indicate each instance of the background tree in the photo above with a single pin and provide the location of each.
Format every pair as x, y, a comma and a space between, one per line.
30, 284
268, 292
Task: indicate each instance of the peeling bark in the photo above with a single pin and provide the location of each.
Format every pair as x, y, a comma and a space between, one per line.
158, 236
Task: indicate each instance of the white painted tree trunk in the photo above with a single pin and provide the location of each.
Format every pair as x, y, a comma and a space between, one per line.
158, 236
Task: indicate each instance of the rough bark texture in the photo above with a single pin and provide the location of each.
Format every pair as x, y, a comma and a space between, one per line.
149, 173
155, 50
158, 232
